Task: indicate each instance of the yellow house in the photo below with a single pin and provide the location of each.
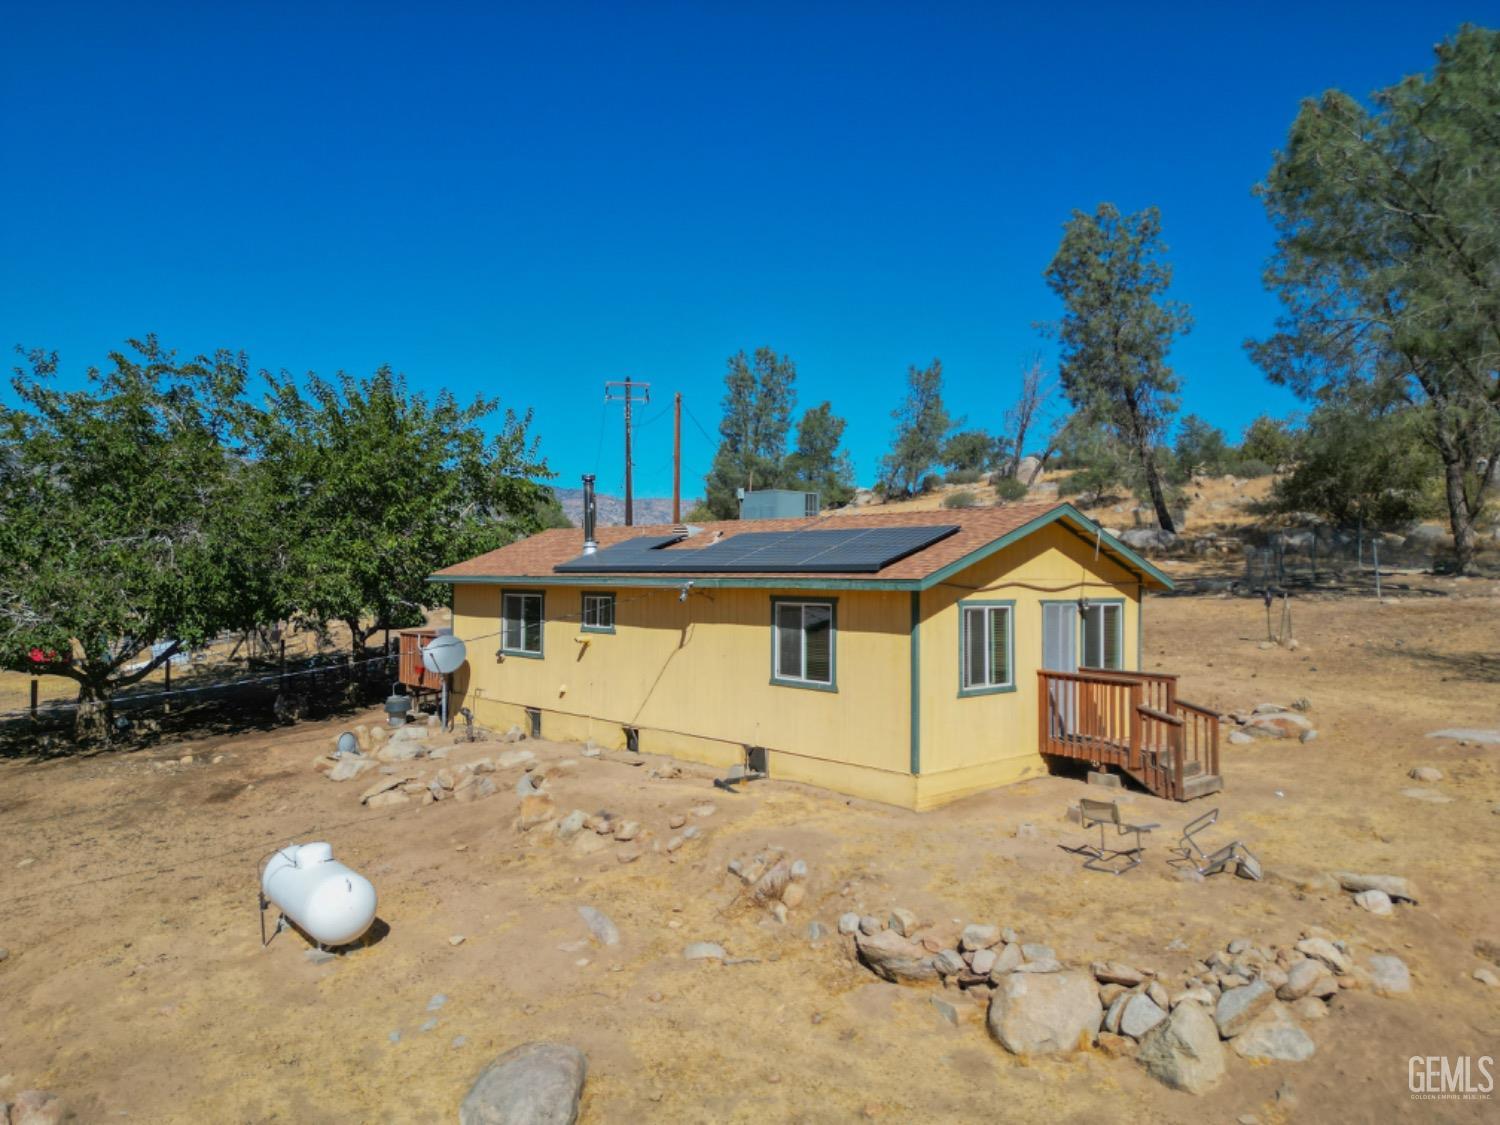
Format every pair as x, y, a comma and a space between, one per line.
910, 658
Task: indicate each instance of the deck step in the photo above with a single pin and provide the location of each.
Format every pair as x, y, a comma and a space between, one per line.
1201, 785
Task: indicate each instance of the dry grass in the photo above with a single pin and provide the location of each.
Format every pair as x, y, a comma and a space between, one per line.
136, 983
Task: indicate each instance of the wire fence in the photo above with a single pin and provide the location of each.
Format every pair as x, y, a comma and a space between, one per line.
1323, 555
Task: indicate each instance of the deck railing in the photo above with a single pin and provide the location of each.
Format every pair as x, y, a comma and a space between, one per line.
1133, 720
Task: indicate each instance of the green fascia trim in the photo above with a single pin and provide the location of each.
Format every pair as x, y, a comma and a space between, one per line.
833, 648
1072, 518
916, 683
1010, 646
584, 594
541, 653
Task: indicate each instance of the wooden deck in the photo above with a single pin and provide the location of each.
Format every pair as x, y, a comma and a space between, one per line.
1135, 722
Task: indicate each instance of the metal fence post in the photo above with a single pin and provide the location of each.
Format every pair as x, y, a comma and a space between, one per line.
1375, 548
35, 683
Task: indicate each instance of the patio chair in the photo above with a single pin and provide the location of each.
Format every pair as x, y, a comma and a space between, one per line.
1105, 858
1233, 854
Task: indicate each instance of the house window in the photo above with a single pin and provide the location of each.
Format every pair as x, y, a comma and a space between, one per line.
598, 613
802, 639
1103, 635
521, 624
986, 646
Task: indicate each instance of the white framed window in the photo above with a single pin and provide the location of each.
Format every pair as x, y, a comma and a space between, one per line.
802, 643
521, 622
598, 613
986, 647
1104, 635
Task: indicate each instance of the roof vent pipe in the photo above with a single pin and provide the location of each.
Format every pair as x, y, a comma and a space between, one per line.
590, 544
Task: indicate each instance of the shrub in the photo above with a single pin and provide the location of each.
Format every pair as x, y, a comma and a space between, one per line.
930, 483
964, 499
1250, 468
1009, 488
964, 476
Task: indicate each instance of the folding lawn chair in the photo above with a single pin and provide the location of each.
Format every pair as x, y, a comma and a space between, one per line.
1104, 858
1191, 854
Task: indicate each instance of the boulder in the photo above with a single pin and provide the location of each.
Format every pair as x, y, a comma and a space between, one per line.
1278, 724
1275, 1036
1183, 1051
1389, 975
402, 751
1376, 902
895, 958
976, 936
1005, 962
1238, 1007
600, 925
1300, 979
848, 922
1140, 1015
982, 961
570, 825
1115, 972
1033, 1014
903, 921
704, 951
1425, 773
37, 1107
533, 1084
395, 781
349, 767
1148, 539
1321, 949
949, 963
1397, 887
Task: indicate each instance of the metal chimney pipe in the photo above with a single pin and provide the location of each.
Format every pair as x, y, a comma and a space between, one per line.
590, 544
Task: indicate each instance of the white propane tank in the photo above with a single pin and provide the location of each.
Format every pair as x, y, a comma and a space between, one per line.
333, 904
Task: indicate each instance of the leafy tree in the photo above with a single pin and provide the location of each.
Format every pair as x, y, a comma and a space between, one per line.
817, 463
1271, 441
759, 394
125, 520
1387, 256
1200, 448
1116, 331
1361, 465
374, 487
921, 424
971, 451
1098, 461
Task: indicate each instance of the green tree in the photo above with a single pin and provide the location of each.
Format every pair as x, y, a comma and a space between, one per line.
1388, 255
817, 463
759, 394
374, 487
922, 422
971, 451
125, 523
1361, 464
1271, 441
1199, 448
1116, 331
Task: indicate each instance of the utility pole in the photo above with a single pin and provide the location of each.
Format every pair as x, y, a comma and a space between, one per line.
625, 391
677, 458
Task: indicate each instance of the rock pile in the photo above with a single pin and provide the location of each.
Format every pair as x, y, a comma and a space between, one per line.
1247, 998
771, 881
1270, 720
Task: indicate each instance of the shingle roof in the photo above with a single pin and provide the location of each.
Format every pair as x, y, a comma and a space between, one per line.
978, 528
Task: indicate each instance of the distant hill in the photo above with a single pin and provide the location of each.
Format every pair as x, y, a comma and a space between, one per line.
611, 509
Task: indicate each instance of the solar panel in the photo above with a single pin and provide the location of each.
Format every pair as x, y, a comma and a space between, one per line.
861, 549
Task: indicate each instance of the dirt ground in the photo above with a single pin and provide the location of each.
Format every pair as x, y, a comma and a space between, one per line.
136, 986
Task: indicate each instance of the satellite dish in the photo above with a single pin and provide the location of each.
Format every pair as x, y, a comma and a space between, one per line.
444, 654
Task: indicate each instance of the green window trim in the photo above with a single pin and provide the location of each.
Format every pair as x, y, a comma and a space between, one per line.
988, 605
603, 599
780, 680
540, 597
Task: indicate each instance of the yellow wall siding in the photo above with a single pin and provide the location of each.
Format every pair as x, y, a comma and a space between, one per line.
694, 676
688, 673
996, 735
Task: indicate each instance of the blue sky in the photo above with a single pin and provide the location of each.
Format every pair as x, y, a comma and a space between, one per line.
526, 202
